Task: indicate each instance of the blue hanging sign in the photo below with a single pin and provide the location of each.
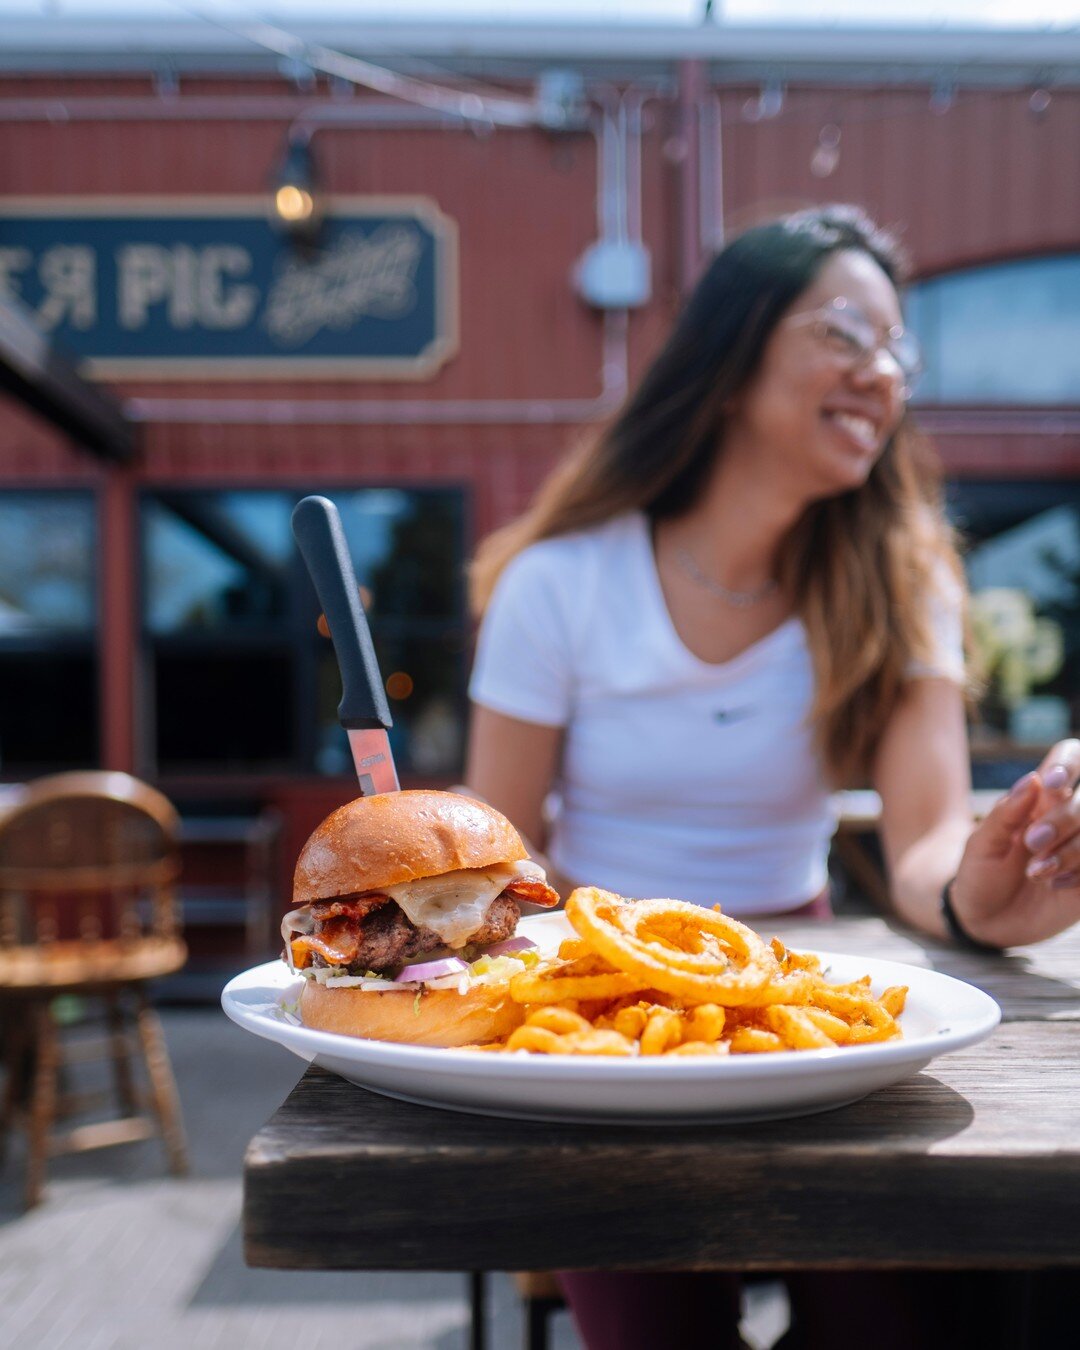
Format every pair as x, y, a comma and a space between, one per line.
212, 288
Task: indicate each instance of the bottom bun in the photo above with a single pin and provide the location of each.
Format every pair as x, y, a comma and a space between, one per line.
439, 1017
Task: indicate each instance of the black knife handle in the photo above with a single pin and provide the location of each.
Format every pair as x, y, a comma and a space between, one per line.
316, 527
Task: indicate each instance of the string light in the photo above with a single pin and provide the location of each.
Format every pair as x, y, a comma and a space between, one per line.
768, 104
826, 156
942, 96
295, 190
1039, 102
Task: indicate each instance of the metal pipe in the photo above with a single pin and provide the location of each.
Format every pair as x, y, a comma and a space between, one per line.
490, 108
691, 85
711, 174
46, 42
200, 108
634, 99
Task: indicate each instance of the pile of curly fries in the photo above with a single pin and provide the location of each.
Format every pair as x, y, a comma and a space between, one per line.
663, 977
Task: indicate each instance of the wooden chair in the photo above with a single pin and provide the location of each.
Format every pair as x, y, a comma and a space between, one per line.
88, 863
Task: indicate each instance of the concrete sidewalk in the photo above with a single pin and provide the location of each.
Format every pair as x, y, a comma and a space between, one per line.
122, 1257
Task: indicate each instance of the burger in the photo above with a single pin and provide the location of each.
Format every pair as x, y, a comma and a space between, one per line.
404, 925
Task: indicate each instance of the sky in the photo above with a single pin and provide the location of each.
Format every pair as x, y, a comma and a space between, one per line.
1012, 13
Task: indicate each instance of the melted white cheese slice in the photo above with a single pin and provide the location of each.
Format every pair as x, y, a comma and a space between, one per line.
454, 904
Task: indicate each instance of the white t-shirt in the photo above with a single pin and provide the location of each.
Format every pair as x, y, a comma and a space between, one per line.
679, 778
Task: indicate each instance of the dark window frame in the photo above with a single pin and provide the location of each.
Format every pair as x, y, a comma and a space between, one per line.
82, 643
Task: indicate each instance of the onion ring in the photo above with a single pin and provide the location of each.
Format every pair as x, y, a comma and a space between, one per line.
729, 970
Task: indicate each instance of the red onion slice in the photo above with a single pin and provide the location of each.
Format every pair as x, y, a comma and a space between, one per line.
431, 970
514, 944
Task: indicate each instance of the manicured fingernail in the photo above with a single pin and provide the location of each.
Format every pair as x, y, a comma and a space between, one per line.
1039, 836
1022, 784
1056, 776
1042, 867
1066, 879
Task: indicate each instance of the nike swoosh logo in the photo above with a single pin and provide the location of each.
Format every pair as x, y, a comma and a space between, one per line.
725, 715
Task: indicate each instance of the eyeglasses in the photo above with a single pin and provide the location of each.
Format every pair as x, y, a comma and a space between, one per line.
844, 329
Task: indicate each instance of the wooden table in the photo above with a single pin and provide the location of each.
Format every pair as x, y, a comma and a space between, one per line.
975, 1161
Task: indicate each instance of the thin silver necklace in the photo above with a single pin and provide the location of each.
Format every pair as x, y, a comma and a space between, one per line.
740, 599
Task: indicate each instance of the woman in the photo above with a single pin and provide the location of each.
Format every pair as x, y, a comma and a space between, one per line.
745, 595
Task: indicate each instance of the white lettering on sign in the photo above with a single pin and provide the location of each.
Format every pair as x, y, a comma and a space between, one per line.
354, 277
219, 308
143, 278
13, 260
192, 283
184, 292
68, 274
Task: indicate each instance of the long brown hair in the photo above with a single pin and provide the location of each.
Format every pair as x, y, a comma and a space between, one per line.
861, 566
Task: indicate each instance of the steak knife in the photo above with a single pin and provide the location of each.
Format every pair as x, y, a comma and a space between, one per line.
363, 710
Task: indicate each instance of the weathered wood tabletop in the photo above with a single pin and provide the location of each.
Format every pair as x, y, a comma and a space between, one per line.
975, 1161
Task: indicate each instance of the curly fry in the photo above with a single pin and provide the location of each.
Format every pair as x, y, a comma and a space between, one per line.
538, 1039
630, 1022
834, 1027
893, 999
753, 1041
690, 1049
554, 983
560, 1020
662, 978
663, 1031
705, 1022
798, 1031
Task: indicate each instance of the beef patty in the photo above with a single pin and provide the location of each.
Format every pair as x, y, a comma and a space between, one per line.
385, 937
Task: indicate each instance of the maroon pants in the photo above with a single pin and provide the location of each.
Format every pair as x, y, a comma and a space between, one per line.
630, 1311
872, 1310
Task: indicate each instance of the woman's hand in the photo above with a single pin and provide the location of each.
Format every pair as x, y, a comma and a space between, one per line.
1019, 878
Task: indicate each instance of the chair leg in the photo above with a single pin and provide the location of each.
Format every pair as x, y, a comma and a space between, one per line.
477, 1310
537, 1313
15, 1039
163, 1094
42, 1100
121, 1065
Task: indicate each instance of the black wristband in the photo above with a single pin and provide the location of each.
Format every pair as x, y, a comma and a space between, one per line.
956, 929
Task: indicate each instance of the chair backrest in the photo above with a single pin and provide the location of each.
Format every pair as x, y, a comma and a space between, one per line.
88, 856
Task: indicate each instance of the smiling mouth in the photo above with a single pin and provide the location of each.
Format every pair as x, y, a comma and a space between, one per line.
862, 430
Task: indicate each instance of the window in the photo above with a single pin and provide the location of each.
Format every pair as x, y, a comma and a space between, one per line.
240, 678
1023, 565
1009, 333
48, 618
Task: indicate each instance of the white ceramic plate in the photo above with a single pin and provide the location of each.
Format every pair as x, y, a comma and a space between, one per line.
942, 1014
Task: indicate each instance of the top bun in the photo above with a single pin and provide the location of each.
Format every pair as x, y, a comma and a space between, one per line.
400, 836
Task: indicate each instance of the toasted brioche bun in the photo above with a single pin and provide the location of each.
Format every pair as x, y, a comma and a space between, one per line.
440, 1017
399, 836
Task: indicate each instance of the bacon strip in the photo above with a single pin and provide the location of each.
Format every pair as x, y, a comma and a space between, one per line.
337, 942
351, 906
536, 892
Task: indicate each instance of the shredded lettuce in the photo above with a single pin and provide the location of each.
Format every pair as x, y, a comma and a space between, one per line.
288, 1012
